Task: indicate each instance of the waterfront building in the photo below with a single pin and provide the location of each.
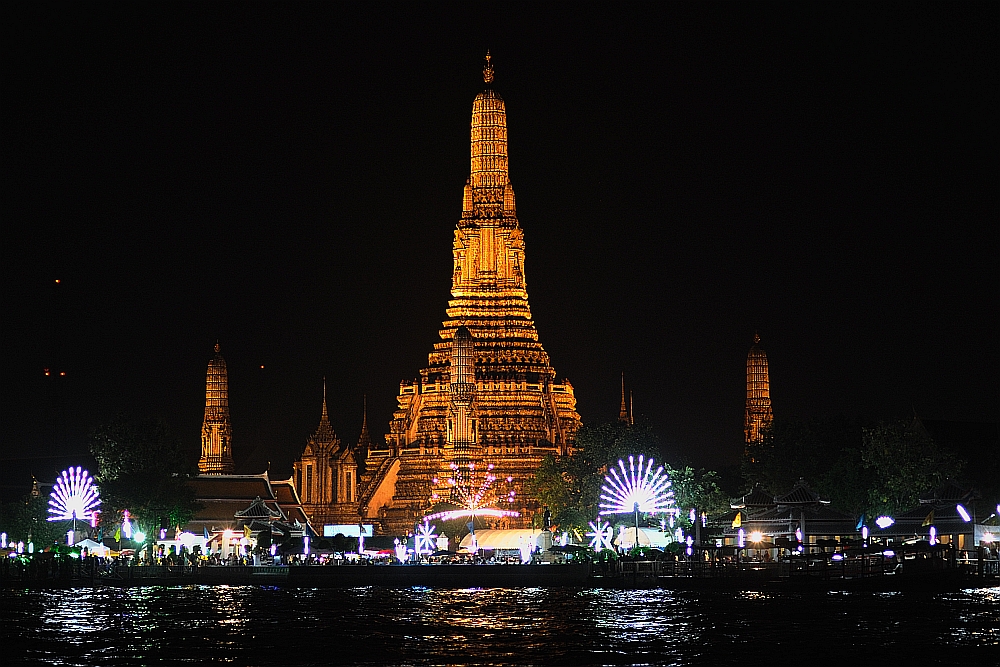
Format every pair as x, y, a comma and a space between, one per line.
799, 516
758, 409
232, 502
216, 431
515, 408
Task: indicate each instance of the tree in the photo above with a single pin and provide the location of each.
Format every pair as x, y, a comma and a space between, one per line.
698, 489
904, 463
142, 469
26, 520
571, 485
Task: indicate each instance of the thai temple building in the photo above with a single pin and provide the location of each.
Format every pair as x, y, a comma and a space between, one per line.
326, 474
240, 505
488, 393
758, 411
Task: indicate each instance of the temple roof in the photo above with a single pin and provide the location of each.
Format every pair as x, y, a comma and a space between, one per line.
800, 494
231, 487
757, 497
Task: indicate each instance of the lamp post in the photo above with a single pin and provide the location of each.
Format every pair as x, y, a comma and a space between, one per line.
635, 508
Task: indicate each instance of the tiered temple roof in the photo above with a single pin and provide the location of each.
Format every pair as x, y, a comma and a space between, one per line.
521, 411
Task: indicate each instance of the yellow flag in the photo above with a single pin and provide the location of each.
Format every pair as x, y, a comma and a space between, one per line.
738, 521
118, 534
928, 520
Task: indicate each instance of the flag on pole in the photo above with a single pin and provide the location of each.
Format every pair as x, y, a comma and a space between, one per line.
928, 520
204, 531
118, 534
738, 521
861, 522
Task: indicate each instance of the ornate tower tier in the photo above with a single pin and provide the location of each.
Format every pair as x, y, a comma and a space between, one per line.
520, 410
216, 431
758, 414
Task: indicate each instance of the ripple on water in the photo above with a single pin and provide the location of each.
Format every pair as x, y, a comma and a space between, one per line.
369, 625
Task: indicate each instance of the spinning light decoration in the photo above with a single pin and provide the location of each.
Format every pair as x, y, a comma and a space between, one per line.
73, 497
964, 513
476, 494
601, 533
425, 538
637, 489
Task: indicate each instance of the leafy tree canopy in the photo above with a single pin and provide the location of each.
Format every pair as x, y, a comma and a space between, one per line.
26, 520
880, 468
571, 485
143, 469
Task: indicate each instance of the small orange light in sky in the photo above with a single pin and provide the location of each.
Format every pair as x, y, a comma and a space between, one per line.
46, 371
63, 373
57, 281
262, 365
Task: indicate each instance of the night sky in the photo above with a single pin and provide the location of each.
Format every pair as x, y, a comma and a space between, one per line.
287, 182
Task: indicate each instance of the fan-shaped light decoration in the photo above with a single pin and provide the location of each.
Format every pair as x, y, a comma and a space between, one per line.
476, 493
601, 534
74, 496
637, 485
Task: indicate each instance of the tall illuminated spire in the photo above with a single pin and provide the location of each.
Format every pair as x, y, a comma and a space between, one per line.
216, 431
758, 412
491, 391
623, 411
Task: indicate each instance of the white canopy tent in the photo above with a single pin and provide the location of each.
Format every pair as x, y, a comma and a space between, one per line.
92, 547
502, 539
648, 537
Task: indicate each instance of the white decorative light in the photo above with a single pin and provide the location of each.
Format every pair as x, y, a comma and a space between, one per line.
964, 513
884, 522
638, 485
932, 535
74, 496
601, 534
400, 550
425, 538
526, 547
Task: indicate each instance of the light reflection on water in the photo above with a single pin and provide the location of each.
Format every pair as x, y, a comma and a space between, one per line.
276, 626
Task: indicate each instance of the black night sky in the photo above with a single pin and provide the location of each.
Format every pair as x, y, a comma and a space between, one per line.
286, 180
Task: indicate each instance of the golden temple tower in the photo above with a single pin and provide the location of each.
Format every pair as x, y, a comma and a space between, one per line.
216, 431
506, 394
758, 413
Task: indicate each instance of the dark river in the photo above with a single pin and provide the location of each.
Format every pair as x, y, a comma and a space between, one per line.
248, 625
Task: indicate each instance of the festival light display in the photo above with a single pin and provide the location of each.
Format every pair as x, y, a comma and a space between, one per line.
600, 534
425, 537
476, 493
73, 497
884, 522
637, 489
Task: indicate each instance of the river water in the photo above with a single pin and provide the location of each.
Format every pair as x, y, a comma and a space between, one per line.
253, 625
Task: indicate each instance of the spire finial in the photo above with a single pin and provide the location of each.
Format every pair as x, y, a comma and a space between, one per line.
217, 347
488, 69
324, 416
756, 338
623, 411
364, 413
